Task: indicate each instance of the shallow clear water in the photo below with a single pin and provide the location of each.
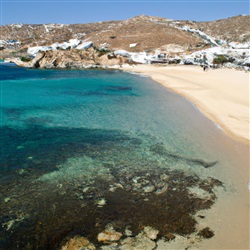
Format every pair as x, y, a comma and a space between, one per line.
70, 138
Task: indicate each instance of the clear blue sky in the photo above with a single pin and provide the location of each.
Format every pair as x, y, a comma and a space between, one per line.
83, 11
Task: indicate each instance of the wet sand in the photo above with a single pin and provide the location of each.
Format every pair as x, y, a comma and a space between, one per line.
222, 94
230, 215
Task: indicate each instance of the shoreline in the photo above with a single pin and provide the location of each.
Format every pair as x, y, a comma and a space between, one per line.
150, 175
230, 113
214, 93
222, 95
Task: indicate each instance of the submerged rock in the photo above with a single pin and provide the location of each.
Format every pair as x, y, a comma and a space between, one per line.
206, 233
140, 242
151, 233
78, 243
169, 236
7, 199
113, 246
81, 181
148, 189
164, 177
109, 235
101, 202
162, 190
128, 232
199, 193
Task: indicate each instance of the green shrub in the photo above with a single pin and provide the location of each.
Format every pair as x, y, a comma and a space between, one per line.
220, 59
101, 53
25, 59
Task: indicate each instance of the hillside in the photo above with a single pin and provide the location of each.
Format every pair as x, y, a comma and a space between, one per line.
141, 39
235, 29
148, 33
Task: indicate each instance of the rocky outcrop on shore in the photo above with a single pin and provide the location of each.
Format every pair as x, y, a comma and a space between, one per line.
86, 56
70, 59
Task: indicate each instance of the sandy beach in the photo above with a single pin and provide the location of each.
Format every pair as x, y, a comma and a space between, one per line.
222, 95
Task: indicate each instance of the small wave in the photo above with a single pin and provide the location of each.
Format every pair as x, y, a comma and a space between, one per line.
138, 74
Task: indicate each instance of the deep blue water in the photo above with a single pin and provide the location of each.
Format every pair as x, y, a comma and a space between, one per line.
66, 131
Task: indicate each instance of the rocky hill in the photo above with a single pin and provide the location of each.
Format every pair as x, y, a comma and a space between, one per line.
148, 33
141, 39
233, 29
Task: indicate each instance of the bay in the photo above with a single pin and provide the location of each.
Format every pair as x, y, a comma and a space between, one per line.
74, 139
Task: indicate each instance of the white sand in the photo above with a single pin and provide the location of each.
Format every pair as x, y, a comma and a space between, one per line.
222, 94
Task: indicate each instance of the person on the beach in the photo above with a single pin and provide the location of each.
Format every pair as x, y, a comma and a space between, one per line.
205, 64
204, 59
205, 67
120, 61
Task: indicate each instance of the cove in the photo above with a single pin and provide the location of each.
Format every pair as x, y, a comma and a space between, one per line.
81, 149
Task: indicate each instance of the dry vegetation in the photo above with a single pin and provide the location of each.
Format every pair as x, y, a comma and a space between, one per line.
148, 32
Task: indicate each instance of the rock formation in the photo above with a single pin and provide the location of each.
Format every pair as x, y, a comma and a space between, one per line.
90, 58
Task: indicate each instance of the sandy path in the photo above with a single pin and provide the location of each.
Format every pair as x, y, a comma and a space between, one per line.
222, 94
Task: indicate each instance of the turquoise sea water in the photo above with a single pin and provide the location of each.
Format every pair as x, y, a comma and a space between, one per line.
71, 138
